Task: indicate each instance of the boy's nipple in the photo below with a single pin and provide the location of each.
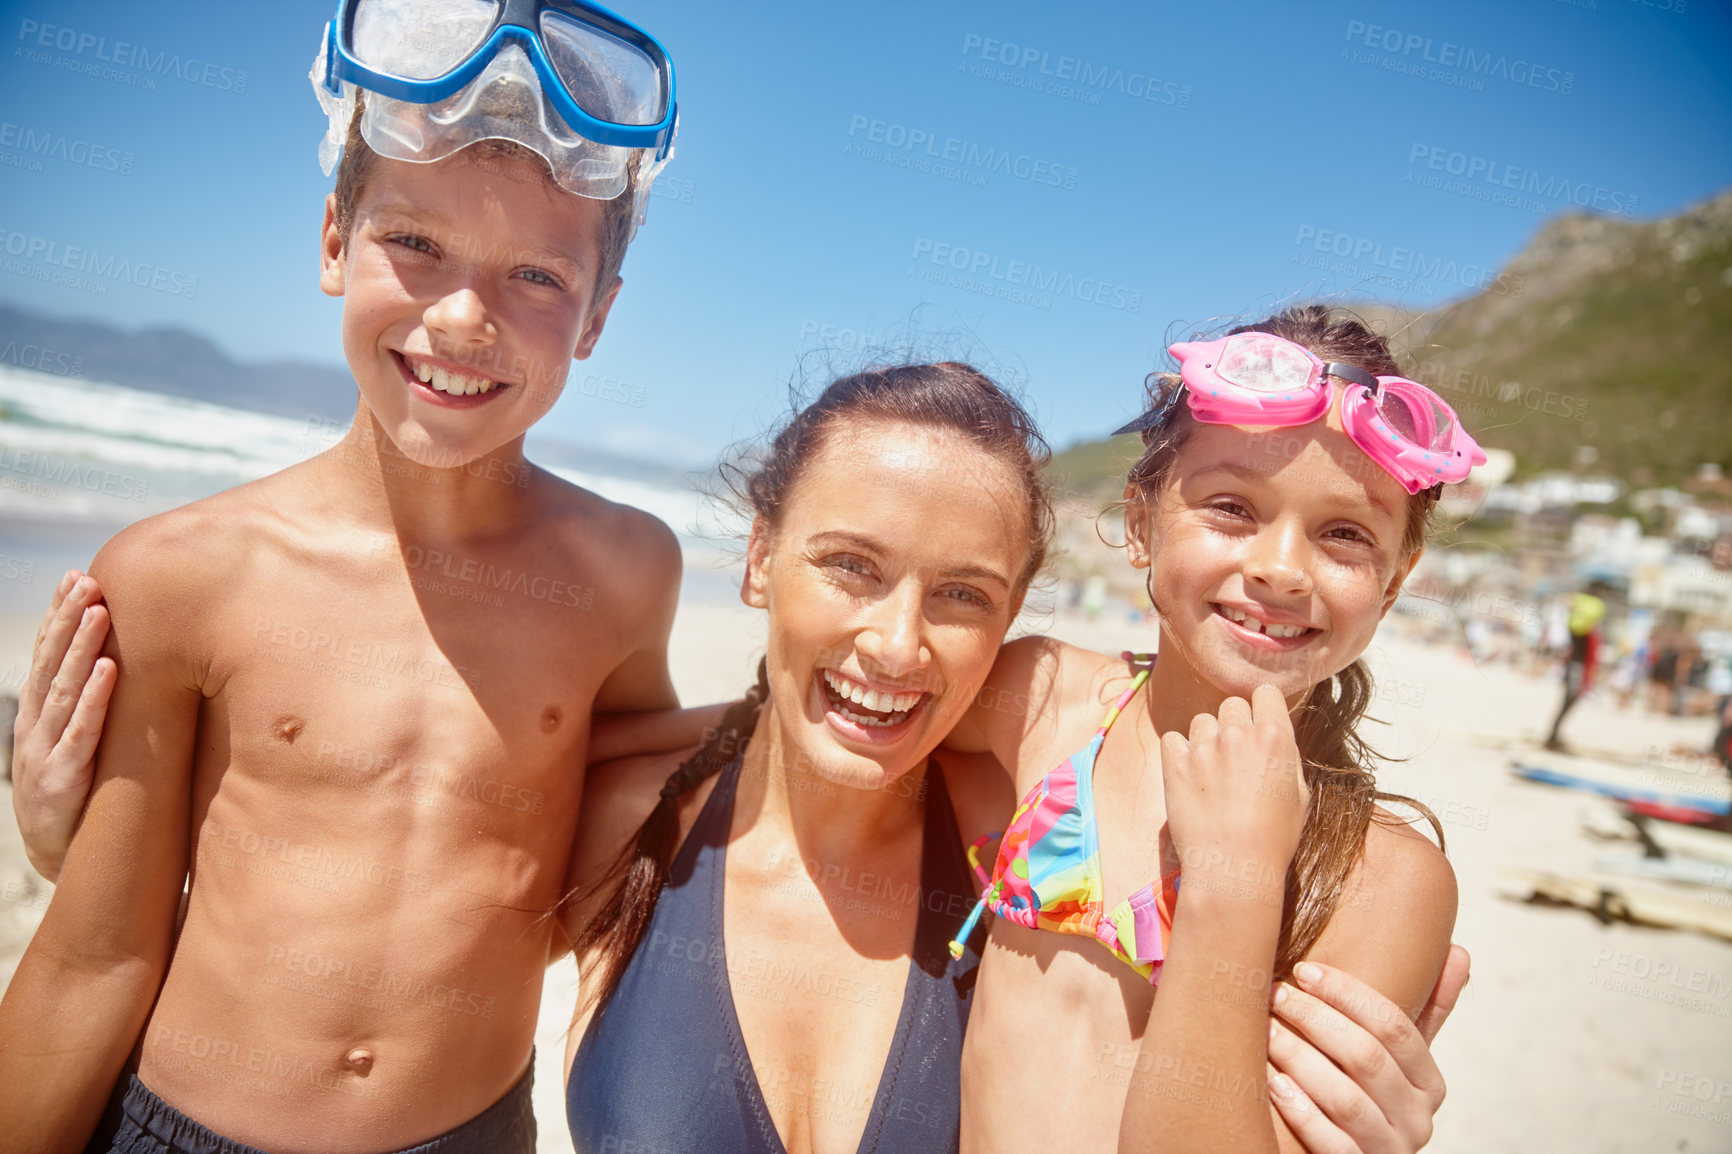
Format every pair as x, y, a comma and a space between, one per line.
550, 719
287, 728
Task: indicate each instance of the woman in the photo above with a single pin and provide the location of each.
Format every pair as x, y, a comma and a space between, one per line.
898, 521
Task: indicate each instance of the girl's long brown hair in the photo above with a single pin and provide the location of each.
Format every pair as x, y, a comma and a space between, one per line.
948, 395
1339, 765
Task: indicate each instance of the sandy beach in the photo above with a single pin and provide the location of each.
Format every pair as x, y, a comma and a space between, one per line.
1574, 1037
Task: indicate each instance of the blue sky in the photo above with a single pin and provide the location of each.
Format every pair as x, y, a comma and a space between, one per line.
1055, 189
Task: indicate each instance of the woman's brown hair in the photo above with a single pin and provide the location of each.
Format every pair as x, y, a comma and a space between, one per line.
948, 395
1339, 765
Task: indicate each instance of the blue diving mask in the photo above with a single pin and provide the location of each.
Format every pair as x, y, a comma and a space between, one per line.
590, 92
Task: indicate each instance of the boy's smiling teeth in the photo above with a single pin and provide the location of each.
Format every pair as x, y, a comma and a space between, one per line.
891, 704
445, 381
1239, 617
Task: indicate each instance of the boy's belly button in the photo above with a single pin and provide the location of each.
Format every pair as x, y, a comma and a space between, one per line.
359, 1061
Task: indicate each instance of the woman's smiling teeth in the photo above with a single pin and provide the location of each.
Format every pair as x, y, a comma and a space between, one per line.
445, 381
886, 709
1239, 617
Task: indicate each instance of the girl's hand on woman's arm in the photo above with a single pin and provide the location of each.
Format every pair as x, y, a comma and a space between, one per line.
61, 708
1348, 1073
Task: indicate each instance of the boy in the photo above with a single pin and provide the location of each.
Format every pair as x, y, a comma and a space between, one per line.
358, 692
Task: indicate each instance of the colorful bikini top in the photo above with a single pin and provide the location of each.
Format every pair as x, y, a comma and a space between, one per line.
1048, 875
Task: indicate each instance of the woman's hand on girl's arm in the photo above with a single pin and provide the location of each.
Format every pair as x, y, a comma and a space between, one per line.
1349, 1074
61, 708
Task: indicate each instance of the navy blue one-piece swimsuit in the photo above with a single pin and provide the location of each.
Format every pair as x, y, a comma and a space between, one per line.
662, 1069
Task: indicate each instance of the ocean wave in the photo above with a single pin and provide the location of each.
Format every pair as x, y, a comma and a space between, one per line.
76, 448
107, 415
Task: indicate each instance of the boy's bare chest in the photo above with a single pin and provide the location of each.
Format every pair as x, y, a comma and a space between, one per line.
443, 690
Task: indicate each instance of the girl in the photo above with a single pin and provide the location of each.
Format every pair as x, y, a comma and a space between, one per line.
1221, 824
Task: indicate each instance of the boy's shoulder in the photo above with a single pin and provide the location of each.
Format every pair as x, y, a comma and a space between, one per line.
629, 557
632, 545
162, 576
184, 550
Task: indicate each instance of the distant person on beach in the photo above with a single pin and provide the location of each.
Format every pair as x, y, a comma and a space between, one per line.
761, 921
1693, 670
1663, 695
1722, 743
364, 764
1581, 658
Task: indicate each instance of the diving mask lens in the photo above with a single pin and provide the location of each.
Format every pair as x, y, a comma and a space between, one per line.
608, 77
504, 103
419, 39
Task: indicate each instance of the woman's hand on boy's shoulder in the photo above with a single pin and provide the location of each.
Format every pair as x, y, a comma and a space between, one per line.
160, 570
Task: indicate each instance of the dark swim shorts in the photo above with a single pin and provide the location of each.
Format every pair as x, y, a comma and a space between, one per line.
138, 1122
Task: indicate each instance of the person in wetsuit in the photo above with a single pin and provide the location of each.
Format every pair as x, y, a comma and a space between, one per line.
1587, 610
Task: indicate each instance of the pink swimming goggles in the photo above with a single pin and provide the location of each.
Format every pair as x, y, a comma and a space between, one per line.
1260, 379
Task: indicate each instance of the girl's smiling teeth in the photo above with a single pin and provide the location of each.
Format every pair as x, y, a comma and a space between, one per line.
445, 381
875, 709
1256, 625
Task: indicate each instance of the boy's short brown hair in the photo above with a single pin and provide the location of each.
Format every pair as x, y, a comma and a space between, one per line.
615, 232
